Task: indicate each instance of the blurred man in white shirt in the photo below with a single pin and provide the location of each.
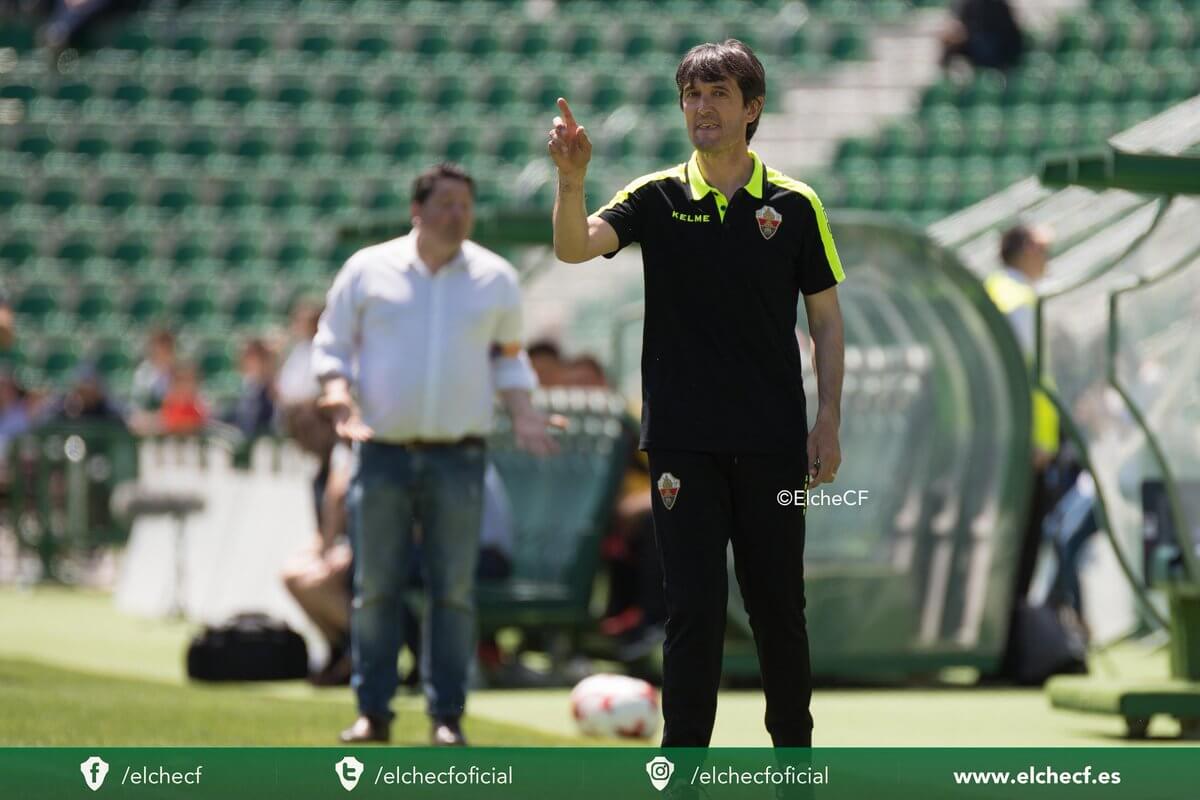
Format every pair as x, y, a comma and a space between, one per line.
404, 355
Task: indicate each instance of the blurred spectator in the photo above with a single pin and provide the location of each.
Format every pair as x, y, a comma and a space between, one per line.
86, 401
1025, 253
318, 577
14, 417
153, 375
983, 32
546, 359
296, 392
585, 371
71, 18
183, 411
254, 409
296, 382
7, 323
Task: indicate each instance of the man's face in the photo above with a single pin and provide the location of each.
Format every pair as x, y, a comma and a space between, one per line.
1037, 253
162, 352
716, 115
448, 214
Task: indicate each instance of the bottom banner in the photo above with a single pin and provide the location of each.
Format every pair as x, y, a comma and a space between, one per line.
584, 773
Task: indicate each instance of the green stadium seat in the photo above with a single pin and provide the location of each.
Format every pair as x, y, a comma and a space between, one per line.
249, 307
499, 92
94, 301
58, 195
90, 143
16, 35
112, 357
37, 299
581, 41
279, 197
944, 134
848, 43
147, 302
529, 40
289, 252
134, 39
36, 143
194, 304
216, 356
601, 92
132, 92
249, 144
171, 197
59, 358
428, 40
75, 91
403, 145
370, 44
191, 42
236, 91
251, 43
11, 193
901, 139
194, 142
316, 41
186, 250
479, 41
988, 89
345, 93
130, 250
637, 40
233, 198
291, 92
145, 143
75, 248
940, 192
18, 90
236, 250
180, 92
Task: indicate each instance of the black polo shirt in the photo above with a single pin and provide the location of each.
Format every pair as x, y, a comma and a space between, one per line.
720, 358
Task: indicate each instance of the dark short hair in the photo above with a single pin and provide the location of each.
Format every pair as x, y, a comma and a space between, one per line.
711, 62
257, 346
544, 347
1013, 241
426, 182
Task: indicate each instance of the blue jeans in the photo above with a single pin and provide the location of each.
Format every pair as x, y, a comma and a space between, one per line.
442, 489
1069, 526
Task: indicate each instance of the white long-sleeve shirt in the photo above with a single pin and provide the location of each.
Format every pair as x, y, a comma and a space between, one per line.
416, 346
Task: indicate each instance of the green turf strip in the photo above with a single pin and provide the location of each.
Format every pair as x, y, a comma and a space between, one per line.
49, 706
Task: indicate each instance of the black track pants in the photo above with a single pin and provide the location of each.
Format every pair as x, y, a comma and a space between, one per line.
723, 498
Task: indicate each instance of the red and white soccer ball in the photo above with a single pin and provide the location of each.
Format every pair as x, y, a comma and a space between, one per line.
615, 705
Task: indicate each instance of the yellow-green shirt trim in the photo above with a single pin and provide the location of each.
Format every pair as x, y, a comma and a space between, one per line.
831, 255
676, 171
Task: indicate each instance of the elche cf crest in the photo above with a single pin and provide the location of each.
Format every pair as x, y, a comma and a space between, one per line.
769, 221
668, 489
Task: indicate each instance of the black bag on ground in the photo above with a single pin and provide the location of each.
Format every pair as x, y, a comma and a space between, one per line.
250, 647
1047, 643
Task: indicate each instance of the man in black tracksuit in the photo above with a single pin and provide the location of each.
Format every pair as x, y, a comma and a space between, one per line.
729, 246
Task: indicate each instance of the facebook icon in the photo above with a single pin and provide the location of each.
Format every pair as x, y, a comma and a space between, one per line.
94, 770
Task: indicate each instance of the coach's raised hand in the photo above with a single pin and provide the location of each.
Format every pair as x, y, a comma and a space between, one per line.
569, 145
577, 237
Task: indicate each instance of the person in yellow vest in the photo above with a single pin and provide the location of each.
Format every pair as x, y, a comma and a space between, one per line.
1025, 251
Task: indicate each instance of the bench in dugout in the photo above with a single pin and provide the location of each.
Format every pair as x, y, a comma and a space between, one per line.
562, 506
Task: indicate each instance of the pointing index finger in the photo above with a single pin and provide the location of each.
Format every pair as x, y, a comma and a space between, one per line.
568, 117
